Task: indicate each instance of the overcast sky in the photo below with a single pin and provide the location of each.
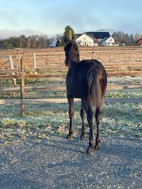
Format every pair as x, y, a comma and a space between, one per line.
50, 17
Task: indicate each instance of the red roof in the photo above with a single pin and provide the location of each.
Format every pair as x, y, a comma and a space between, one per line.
140, 42
99, 40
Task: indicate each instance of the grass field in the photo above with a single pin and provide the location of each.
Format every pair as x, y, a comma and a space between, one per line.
41, 120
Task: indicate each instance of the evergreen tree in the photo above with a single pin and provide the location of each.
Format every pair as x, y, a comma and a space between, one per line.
69, 33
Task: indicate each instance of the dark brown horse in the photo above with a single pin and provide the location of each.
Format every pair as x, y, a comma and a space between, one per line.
87, 80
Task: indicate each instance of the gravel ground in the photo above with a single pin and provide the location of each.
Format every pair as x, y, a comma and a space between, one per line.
56, 162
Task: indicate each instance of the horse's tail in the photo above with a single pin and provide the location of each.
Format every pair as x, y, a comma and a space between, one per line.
95, 90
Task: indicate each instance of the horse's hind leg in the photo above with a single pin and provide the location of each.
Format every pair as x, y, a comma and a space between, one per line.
83, 130
98, 122
71, 116
90, 118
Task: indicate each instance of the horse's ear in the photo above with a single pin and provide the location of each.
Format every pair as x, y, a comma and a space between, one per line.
73, 38
68, 45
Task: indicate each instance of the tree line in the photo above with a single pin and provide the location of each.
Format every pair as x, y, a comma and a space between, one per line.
25, 42
124, 38
43, 41
36, 41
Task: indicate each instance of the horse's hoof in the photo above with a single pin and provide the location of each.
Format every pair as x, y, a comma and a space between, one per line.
69, 137
89, 151
83, 137
97, 147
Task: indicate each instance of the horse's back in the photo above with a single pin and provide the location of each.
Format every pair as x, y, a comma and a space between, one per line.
92, 64
86, 68
79, 75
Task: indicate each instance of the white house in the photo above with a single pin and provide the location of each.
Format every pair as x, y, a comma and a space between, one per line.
108, 41
85, 40
91, 38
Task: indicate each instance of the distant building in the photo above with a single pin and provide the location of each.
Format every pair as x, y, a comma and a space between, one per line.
95, 39
84, 40
109, 41
91, 38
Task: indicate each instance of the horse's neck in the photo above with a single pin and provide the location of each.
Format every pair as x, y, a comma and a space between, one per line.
73, 64
75, 57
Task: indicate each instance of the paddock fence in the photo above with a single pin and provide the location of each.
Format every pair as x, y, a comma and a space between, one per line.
28, 64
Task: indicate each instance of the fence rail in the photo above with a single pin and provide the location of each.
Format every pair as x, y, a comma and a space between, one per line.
43, 101
23, 75
60, 88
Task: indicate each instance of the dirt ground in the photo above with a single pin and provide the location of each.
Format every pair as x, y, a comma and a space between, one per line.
57, 163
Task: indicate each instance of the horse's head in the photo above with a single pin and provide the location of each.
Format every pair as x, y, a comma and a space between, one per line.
71, 52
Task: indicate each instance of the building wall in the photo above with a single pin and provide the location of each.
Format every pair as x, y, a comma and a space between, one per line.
85, 40
109, 42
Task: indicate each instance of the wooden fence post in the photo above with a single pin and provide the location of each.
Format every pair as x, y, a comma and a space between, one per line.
22, 87
12, 67
22, 96
34, 60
